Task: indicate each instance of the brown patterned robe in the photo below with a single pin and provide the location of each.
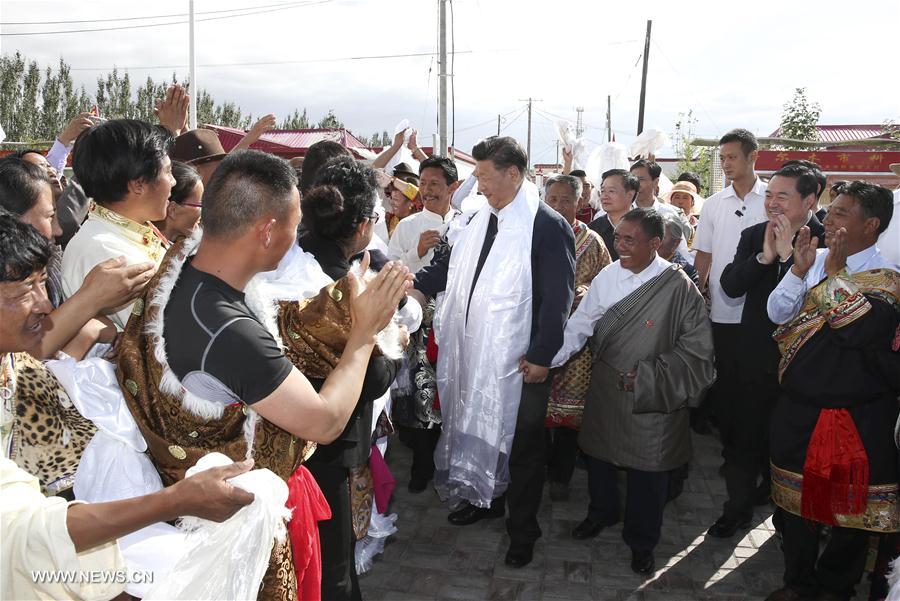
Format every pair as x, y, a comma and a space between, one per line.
177, 438
569, 386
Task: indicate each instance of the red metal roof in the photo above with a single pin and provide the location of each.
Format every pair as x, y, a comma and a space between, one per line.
286, 141
843, 133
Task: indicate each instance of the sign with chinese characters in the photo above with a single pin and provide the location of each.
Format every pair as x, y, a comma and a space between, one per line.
869, 161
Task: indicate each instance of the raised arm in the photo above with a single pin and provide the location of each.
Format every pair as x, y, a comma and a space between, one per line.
388, 153
263, 125
295, 405
787, 299
109, 284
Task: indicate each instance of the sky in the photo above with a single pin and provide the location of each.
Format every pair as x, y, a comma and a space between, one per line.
731, 64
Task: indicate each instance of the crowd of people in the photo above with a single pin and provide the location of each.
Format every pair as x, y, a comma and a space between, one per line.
173, 300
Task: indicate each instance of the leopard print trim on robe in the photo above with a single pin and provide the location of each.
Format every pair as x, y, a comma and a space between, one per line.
49, 435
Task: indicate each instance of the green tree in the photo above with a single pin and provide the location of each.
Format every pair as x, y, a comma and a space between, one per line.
330, 121
691, 157
296, 120
799, 119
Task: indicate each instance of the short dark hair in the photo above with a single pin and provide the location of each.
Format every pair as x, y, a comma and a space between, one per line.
342, 197
875, 201
578, 173
572, 181
20, 154
445, 164
748, 141
690, 176
22, 249
246, 185
186, 178
837, 186
805, 180
629, 181
20, 184
316, 156
651, 222
108, 156
503, 151
814, 169
652, 167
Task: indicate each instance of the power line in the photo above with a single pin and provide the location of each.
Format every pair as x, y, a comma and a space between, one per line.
489, 121
267, 63
144, 18
148, 25
690, 90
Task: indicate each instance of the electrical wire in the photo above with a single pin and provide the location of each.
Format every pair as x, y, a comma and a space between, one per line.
267, 63
144, 18
690, 90
148, 25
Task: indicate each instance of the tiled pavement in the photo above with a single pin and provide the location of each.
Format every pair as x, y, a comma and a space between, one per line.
430, 559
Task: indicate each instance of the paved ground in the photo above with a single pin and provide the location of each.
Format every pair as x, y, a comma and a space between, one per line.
430, 559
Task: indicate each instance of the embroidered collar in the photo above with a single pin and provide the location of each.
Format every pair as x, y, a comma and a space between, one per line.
146, 236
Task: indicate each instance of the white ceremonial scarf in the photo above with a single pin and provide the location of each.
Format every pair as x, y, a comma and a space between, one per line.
477, 373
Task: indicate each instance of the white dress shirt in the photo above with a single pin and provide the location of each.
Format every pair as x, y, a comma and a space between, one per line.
611, 285
889, 241
58, 154
787, 299
404, 244
104, 235
723, 218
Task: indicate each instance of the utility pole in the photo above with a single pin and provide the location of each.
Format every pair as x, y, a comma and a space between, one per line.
579, 121
640, 126
442, 78
195, 89
609, 119
529, 101
498, 125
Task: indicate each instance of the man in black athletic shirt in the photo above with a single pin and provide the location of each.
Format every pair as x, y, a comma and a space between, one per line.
219, 349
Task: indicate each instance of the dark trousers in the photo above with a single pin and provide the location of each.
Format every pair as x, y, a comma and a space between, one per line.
645, 499
339, 582
527, 465
725, 390
562, 449
422, 442
746, 450
839, 567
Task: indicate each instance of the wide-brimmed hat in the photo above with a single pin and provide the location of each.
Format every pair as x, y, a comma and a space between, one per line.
198, 146
895, 167
404, 171
687, 188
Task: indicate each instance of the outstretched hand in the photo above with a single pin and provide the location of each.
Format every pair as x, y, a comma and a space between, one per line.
804, 252
371, 309
172, 110
210, 496
837, 252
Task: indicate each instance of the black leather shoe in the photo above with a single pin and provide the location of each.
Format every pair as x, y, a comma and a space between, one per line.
588, 528
469, 514
788, 594
725, 527
519, 555
642, 562
416, 485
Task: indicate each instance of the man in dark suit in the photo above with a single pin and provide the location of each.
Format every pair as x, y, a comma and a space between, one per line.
764, 255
